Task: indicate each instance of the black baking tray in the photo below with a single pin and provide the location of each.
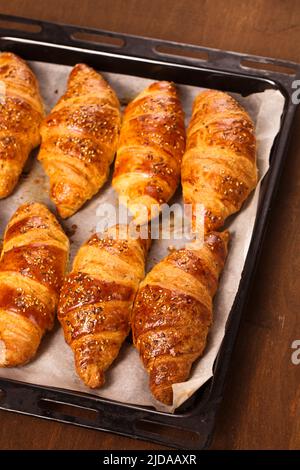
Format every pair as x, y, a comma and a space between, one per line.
191, 426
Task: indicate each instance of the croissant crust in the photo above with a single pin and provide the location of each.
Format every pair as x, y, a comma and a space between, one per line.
79, 139
152, 142
172, 312
21, 113
219, 165
96, 300
32, 267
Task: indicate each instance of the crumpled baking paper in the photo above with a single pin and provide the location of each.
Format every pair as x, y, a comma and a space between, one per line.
126, 380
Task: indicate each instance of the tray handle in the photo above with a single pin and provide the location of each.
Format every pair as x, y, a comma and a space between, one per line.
78, 37
92, 412
31, 29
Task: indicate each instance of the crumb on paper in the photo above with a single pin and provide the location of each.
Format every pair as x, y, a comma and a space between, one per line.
70, 231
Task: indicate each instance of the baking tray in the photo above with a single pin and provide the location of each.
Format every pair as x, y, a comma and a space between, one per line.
191, 426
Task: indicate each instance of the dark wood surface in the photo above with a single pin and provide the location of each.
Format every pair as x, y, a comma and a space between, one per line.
261, 408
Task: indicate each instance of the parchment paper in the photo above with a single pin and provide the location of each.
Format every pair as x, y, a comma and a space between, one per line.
126, 380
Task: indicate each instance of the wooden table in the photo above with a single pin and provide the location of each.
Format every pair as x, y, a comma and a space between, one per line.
261, 408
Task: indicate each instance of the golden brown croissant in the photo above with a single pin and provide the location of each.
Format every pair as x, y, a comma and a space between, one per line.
32, 267
172, 312
97, 297
152, 142
79, 139
21, 113
219, 165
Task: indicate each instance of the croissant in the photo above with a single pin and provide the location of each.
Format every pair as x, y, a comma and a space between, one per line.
21, 113
152, 142
32, 266
96, 300
172, 313
79, 139
219, 165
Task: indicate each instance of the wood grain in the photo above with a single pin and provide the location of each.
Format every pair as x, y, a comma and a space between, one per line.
261, 408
